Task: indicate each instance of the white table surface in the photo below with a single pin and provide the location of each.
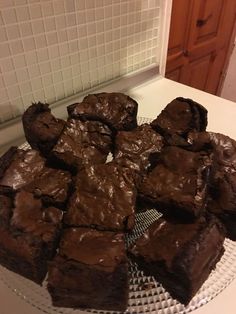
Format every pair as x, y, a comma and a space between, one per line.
152, 97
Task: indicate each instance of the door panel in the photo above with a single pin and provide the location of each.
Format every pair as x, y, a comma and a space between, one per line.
216, 72
196, 56
197, 72
206, 24
179, 26
208, 19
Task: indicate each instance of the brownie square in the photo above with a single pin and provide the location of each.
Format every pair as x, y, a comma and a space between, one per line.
19, 167
142, 143
53, 186
177, 185
25, 169
180, 256
117, 110
222, 198
29, 234
104, 198
178, 118
90, 270
81, 144
41, 128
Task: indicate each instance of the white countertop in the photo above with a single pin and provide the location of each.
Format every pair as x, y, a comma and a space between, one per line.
156, 94
152, 97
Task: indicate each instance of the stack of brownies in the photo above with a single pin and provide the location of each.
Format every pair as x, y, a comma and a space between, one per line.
65, 210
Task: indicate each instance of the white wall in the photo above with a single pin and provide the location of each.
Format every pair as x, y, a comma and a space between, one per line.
229, 86
53, 49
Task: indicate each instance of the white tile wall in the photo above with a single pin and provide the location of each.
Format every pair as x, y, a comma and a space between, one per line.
51, 49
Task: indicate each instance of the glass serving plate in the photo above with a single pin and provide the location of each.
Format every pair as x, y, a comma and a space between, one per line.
146, 295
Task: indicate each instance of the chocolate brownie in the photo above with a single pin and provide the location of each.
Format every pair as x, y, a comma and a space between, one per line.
82, 143
180, 256
117, 110
141, 143
177, 185
53, 186
178, 118
6, 204
19, 167
90, 271
41, 128
104, 198
25, 169
222, 200
29, 234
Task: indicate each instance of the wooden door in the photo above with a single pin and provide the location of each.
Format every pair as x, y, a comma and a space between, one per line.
199, 40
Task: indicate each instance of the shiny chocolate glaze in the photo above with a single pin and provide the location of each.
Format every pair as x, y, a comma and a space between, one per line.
104, 197
180, 256
24, 166
103, 250
178, 118
29, 234
117, 110
178, 183
52, 185
222, 197
26, 170
90, 270
30, 216
82, 143
141, 143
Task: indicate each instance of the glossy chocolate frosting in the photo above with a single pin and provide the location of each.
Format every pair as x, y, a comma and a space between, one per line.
222, 196
184, 249
83, 143
117, 110
104, 250
23, 167
178, 181
30, 216
223, 178
224, 151
163, 240
178, 118
52, 185
27, 170
104, 197
141, 143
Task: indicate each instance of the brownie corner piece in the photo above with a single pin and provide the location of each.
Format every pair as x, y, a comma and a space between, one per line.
81, 143
104, 198
222, 200
19, 167
178, 183
141, 143
117, 110
41, 128
180, 256
178, 118
90, 270
29, 233
26, 169
52, 186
